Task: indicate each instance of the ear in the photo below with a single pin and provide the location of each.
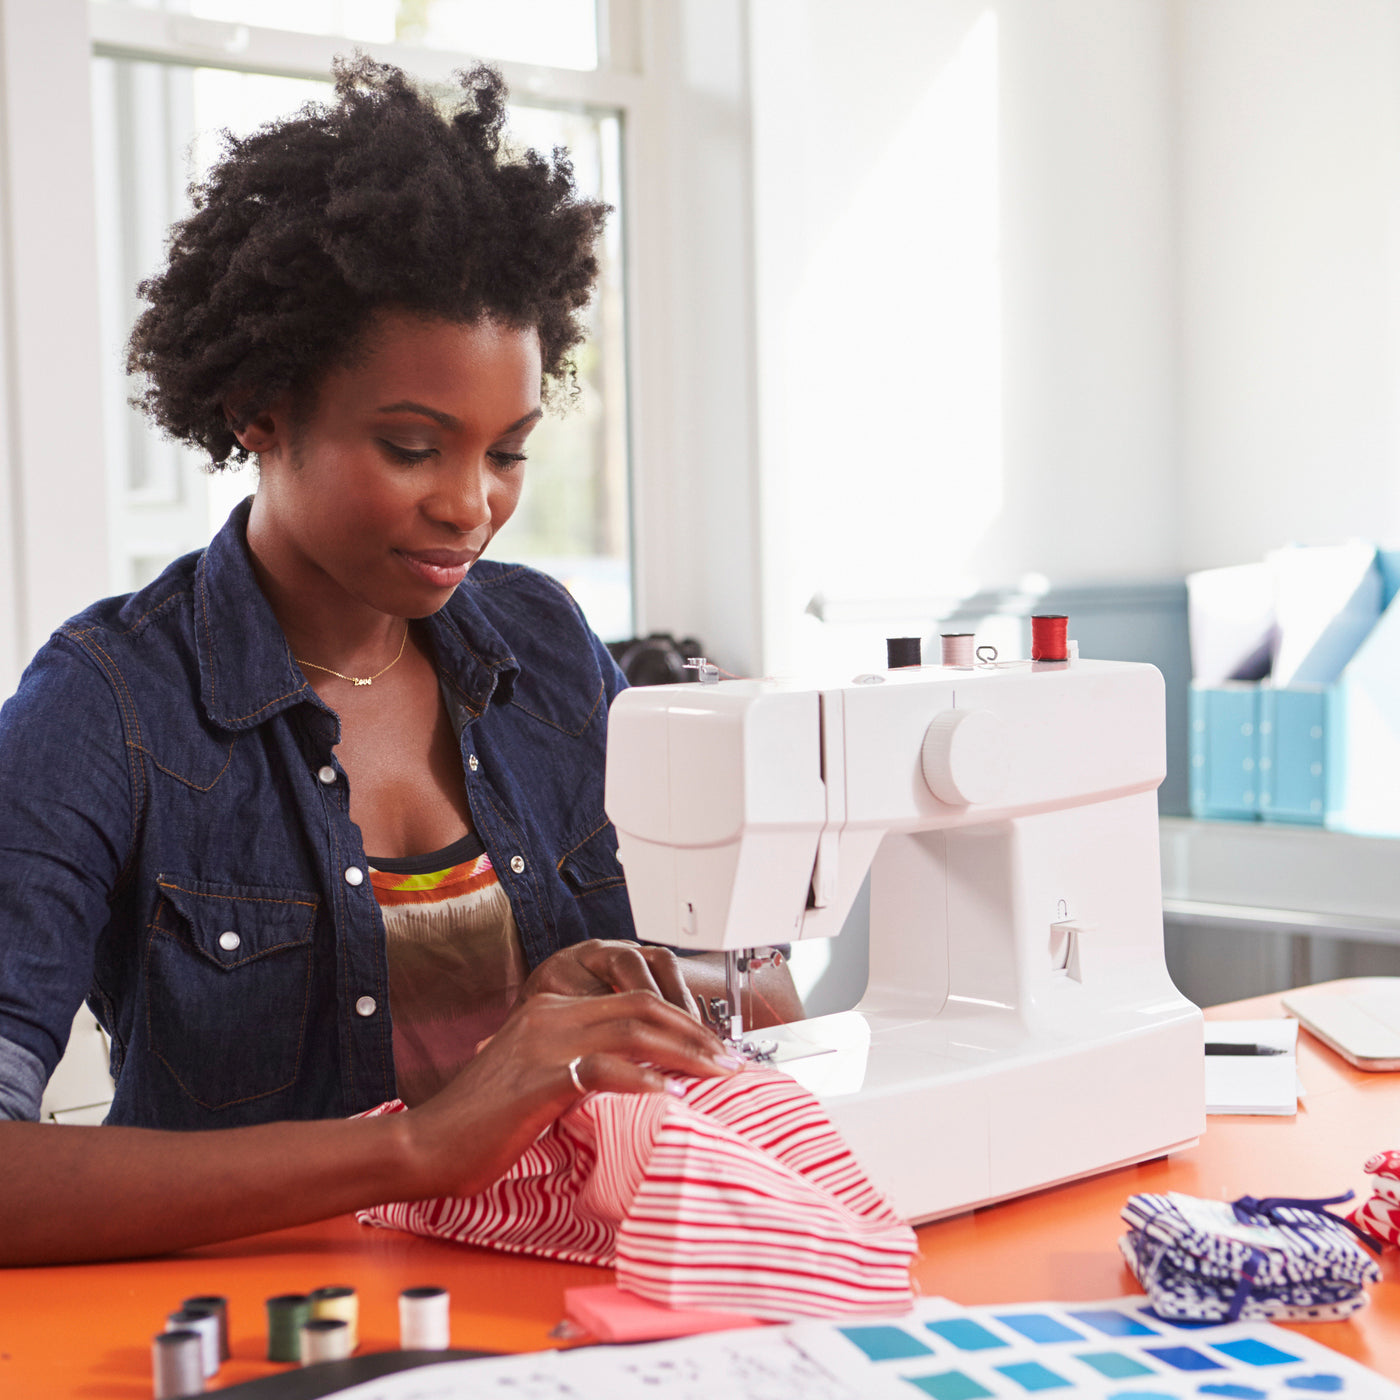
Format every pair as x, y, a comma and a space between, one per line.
262, 432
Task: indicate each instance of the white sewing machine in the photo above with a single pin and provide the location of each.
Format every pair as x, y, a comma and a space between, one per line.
1019, 1027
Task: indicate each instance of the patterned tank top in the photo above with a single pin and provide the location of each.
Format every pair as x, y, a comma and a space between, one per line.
455, 960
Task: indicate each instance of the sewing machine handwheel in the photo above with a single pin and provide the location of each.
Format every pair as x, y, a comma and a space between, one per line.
964, 757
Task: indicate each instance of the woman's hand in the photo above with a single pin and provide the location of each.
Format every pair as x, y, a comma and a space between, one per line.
600, 966
467, 1136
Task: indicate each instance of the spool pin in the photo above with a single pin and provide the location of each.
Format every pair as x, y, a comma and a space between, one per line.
325, 1339
425, 1322
1048, 637
285, 1314
177, 1363
213, 1303
340, 1303
206, 1326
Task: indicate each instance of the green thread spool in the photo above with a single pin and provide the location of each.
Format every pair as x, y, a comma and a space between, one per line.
285, 1314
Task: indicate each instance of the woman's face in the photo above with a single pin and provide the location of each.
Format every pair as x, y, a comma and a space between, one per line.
408, 463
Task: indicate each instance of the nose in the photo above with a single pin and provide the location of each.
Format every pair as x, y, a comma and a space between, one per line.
464, 502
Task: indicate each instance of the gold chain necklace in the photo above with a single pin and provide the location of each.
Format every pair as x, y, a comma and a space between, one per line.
358, 680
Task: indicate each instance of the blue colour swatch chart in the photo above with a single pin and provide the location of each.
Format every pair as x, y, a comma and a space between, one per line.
1117, 1350
1025, 1351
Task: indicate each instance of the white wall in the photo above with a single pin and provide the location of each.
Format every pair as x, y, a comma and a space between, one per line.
966, 300
1090, 289
1290, 239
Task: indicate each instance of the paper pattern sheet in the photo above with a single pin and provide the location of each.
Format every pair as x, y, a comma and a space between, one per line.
1114, 1350
753, 1364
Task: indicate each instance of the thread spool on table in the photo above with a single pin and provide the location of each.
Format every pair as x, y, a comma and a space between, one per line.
325, 1339
338, 1303
218, 1305
206, 1326
285, 1315
177, 1363
425, 1322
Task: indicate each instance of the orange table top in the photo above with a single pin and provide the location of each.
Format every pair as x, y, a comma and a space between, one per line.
86, 1330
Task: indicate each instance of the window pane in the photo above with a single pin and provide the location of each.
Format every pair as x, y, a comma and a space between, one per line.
156, 128
555, 33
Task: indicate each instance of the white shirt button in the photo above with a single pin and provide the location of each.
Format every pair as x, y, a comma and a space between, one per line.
354, 875
366, 1006
517, 864
326, 774
472, 762
229, 941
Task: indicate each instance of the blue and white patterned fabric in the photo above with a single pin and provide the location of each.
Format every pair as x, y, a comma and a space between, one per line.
1220, 1261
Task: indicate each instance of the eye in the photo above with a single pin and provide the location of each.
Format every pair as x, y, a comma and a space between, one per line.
507, 461
406, 454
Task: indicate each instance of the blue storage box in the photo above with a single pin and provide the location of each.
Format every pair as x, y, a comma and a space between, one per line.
1292, 754
1225, 751
1324, 749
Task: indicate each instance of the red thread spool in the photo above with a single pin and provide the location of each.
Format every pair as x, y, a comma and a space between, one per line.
1049, 634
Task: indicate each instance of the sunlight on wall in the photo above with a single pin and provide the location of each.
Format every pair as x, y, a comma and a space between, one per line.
898, 466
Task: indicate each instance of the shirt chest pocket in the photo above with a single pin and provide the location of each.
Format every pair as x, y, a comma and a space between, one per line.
228, 981
592, 865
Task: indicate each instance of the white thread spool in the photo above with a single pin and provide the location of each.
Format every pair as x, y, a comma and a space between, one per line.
325, 1339
957, 648
217, 1304
177, 1363
425, 1322
206, 1324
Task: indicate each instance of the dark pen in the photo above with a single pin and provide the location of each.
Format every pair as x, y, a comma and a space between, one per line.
1230, 1048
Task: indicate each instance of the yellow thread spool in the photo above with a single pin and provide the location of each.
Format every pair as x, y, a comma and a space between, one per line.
340, 1303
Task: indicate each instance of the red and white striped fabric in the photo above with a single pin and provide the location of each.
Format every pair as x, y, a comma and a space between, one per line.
1380, 1216
739, 1196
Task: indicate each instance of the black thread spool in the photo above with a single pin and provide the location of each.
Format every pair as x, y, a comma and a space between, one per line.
904, 651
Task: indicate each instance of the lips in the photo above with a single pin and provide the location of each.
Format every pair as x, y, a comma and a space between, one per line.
441, 568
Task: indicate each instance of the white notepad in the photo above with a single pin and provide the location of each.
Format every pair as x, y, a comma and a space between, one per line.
1265, 1084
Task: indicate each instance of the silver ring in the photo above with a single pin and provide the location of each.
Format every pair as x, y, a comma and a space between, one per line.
573, 1074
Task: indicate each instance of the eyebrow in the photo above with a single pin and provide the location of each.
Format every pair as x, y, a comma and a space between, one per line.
451, 423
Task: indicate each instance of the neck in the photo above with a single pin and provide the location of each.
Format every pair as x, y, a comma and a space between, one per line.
322, 623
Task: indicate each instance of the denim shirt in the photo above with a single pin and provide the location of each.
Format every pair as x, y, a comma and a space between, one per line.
176, 844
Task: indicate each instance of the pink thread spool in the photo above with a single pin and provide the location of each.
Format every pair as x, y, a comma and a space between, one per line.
957, 648
1049, 637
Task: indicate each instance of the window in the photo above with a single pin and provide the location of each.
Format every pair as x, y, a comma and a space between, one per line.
156, 127
668, 100
552, 33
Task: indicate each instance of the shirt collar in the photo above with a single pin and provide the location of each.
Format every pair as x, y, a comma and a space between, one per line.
246, 671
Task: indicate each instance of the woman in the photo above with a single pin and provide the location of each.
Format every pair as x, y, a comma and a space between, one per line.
308, 816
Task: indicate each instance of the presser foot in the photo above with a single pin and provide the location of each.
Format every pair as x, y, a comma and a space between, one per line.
760, 1052
718, 1018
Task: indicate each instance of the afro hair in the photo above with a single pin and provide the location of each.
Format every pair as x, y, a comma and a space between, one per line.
309, 225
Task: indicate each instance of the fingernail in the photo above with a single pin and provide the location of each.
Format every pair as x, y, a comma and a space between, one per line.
729, 1061
674, 1086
